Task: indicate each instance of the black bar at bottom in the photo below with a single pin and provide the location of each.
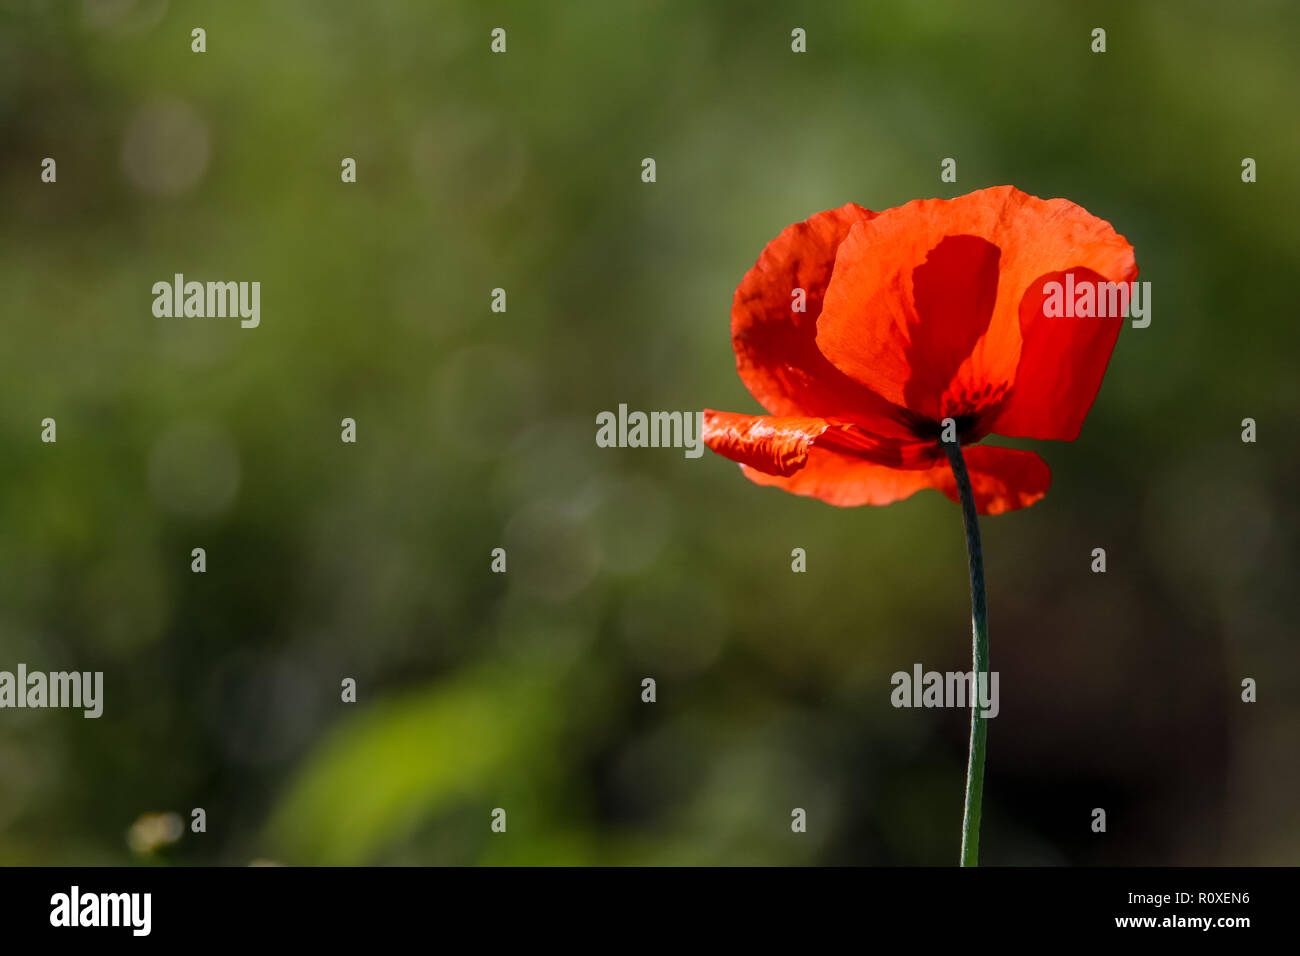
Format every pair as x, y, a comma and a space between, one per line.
609, 906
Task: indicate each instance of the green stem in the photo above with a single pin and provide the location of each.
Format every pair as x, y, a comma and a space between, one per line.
979, 612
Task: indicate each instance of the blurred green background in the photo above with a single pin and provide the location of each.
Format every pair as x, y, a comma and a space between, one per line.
476, 431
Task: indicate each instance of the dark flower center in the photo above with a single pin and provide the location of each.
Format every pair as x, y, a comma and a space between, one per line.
929, 429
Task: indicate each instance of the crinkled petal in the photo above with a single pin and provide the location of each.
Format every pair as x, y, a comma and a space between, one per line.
780, 445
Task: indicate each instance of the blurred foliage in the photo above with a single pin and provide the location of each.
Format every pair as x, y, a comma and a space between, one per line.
522, 690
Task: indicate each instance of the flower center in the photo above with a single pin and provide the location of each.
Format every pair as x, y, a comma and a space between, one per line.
930, 429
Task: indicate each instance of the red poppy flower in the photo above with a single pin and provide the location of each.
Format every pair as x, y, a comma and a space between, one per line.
928, 311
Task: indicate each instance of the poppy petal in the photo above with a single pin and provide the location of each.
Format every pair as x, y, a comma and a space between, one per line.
847, 481
1002, 479
781, 445
1062, 362
775, 344
910, 293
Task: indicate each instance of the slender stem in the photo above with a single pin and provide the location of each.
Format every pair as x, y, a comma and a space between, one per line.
979, 612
